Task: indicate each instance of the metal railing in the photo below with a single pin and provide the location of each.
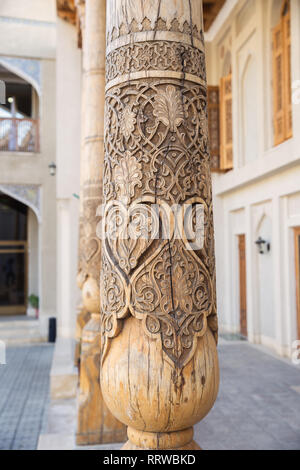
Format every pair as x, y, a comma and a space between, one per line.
19, 135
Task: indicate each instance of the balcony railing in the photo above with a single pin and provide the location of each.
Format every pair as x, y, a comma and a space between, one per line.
19, 135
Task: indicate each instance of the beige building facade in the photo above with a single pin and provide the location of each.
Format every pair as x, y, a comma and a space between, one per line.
258, 199
29, 57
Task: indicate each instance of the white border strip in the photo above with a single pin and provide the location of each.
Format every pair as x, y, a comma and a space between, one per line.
160, 74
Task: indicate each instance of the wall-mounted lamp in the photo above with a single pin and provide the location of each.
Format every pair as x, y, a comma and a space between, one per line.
52, 168
263, 246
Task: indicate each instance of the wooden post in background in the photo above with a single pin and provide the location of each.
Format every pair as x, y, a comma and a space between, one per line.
95, 422
83, 315
159, 370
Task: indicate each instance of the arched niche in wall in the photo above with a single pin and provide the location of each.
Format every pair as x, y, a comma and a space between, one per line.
249, 110
28, 69
30, 195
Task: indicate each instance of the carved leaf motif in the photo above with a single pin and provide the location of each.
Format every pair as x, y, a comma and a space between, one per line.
128, 175
168, 107
114, 300
128, 122
174, 291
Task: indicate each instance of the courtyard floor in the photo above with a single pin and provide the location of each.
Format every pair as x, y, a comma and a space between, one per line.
24, 392
258, 405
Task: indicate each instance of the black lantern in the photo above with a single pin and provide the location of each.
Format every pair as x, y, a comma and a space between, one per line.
52, 168
263, 246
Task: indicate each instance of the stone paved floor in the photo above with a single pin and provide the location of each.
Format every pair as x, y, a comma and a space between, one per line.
24, 392
257, 407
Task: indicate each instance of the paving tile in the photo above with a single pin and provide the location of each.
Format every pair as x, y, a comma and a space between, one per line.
24, 392
258, 406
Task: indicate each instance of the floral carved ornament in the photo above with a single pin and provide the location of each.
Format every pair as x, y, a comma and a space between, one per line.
156, 153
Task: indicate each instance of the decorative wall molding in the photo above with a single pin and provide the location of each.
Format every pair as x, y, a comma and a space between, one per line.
27, 21
29, 69
30, 195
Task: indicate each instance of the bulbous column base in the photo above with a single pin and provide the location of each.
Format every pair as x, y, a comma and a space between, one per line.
83, 317
178, 440
95, 423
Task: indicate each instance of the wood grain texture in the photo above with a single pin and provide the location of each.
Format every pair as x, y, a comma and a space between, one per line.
141, 388
82, 318
95, 423
160, 370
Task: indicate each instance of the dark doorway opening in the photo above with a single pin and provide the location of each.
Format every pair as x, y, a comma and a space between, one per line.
13, 256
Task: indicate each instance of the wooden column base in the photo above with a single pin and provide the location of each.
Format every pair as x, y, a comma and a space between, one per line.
77, 354
83, 317
100, 437
178, 440
96, 424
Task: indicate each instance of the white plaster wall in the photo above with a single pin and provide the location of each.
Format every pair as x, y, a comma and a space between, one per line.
68, 97
41, 10
249, 110
262, 227
27, 28
271, 288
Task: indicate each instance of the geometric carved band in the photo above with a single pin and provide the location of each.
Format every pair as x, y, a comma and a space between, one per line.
164, 56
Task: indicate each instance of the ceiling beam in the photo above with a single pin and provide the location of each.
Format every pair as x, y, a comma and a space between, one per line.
211, 9
66, 10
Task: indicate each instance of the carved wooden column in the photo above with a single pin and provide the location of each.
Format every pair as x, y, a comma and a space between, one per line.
95, 422
83, 315
159, 371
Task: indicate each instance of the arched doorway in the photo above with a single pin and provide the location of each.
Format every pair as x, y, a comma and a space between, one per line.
13, 256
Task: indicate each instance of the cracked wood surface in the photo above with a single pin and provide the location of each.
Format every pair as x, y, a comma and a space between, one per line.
158, 304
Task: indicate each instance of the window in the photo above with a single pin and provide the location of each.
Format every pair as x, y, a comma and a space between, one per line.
282, 94
226, 144
213, 111
219, 105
